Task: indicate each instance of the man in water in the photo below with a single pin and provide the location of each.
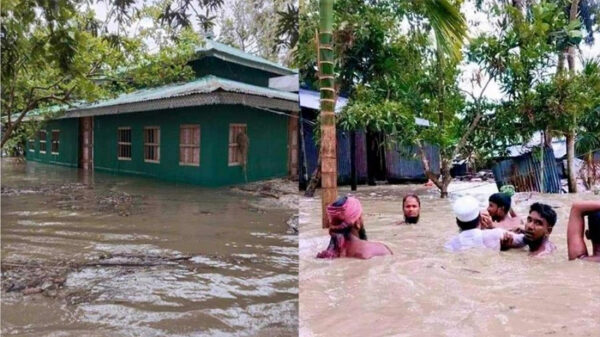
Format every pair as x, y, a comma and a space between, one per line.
499, 214
575, 230
540, 221
466, 210
411, 207
348, 237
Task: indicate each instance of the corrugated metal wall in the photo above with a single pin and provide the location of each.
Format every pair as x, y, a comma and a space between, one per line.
406, 164
400, 167
343, 153
523, 172
343, 157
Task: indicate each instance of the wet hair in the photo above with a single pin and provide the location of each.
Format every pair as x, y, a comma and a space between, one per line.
545, 212
502, 200
362, 233
411, 196
466, 225
594, 227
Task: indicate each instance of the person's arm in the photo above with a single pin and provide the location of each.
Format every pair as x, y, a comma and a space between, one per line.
575, 227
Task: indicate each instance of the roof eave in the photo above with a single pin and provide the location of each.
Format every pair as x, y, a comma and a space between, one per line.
280, 70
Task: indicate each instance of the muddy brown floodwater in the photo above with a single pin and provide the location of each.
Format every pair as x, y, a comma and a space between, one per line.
422, 290
127, 256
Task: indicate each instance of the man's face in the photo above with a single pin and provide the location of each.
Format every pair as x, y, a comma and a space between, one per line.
497, 213
411, 208
537, 228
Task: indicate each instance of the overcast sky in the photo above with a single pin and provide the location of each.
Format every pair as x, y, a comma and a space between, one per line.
477, 21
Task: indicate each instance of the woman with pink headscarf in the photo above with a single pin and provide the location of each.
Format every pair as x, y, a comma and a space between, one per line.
348, 236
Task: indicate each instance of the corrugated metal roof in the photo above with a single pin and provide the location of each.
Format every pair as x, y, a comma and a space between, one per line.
311, 100
230, 54
206, 84
558, 145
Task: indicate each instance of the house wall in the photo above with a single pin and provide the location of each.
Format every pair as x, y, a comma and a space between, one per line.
68, 148
214, 66
267, 154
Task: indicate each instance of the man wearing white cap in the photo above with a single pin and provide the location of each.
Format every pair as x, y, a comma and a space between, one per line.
471, 235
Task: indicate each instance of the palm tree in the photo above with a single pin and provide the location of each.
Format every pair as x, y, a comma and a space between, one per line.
327, 87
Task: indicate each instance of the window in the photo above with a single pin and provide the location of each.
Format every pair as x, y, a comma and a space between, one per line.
238, 145
124, 141
31, 145
152, 144
189, 145
42, 136
55, 141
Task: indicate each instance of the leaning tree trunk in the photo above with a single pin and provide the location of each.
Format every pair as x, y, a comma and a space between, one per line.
327, 88
572, 133
315, 179
572, 178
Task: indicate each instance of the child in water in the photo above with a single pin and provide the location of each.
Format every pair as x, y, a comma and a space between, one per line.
348, 236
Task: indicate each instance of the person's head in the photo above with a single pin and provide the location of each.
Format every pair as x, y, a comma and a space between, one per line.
466, 210
593, 231
540, 221
345, 216
411, 207
499, 206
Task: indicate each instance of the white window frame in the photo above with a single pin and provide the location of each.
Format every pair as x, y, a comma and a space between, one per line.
120, 143
44, 141
52, 142
233, 146
190, 146
31, 148
157, 144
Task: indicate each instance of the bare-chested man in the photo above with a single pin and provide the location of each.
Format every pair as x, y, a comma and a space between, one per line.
499, 213
472, 235
348, 237
575, 230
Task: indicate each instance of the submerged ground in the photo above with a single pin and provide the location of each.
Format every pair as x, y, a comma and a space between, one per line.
108, 255
424, 291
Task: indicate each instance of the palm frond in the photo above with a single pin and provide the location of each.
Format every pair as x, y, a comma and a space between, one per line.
449, 25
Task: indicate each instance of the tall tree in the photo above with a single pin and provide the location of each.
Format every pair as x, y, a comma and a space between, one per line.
327, 115
253, 26
60, 54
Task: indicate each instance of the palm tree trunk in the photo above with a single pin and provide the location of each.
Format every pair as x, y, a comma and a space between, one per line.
590, 170
327, 88
572, 133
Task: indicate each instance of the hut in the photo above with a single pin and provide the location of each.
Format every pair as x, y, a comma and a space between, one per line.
373, 160
526, 172
225, 127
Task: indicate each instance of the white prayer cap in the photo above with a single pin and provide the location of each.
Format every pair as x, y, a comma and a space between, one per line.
466, 208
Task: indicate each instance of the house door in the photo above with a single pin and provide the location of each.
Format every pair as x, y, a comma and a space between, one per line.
86, 143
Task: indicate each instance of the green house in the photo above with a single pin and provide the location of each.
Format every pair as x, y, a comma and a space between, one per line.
225, 127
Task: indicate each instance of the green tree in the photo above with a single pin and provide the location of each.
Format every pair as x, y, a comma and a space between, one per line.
61, 55
252, 26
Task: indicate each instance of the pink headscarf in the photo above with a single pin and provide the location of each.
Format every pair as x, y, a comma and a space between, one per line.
349, 212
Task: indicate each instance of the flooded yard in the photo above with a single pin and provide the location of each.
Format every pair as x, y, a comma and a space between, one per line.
107, 255
422, 290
